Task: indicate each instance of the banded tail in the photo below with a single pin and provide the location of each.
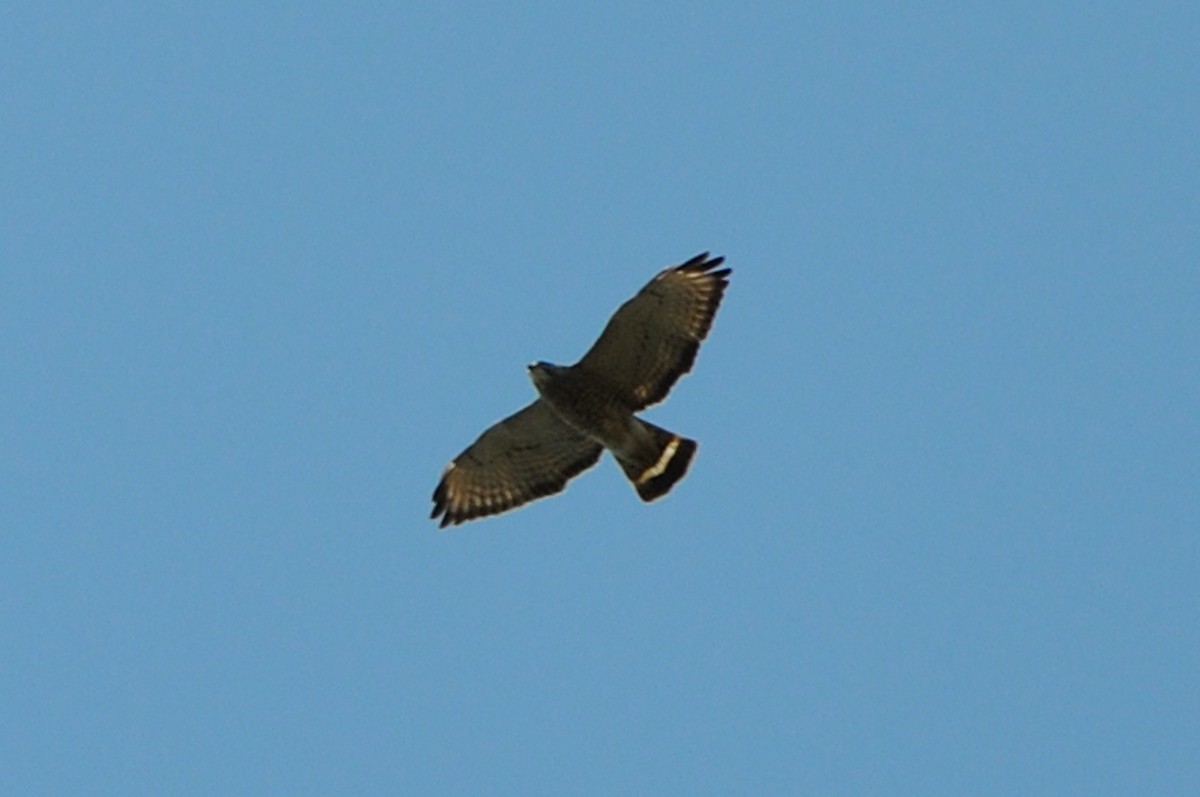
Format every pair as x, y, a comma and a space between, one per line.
664, 461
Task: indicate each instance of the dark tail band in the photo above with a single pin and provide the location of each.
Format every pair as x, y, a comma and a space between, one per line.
655, 471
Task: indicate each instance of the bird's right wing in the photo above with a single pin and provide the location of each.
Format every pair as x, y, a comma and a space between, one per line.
652, 339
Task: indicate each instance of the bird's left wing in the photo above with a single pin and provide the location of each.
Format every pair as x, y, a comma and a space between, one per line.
528, 455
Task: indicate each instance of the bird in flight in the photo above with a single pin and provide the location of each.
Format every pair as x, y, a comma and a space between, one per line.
587, 407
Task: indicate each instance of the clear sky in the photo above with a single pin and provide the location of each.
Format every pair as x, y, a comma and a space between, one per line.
264, 272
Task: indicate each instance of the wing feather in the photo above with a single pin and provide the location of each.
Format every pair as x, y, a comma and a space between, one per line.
653, 338
528, 455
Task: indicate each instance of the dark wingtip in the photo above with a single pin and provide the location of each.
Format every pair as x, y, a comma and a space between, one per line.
441, 506
439, 499
702, 263
448, 516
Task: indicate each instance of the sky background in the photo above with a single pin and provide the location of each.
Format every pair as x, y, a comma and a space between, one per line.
265, 270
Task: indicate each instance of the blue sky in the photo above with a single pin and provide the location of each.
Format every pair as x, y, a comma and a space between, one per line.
266, 269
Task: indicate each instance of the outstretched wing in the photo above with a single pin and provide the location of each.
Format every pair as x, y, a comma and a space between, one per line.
528, 455
653, 338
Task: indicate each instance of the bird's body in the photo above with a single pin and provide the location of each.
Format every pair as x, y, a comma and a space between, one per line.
595, 408
585, 408
586, 402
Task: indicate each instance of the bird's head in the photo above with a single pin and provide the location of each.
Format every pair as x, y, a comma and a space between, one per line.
541, 373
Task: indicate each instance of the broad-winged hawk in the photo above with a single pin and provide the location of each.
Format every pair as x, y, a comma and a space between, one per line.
585, 408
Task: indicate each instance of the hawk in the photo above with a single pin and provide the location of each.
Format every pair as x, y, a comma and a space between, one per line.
585, 408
